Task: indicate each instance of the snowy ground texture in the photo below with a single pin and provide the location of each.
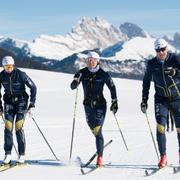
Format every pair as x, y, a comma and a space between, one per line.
54, 115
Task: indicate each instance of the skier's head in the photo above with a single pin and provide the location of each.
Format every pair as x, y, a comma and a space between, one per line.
160, 46
93, 59
8, 64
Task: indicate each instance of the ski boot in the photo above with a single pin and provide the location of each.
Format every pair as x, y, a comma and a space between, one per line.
99, 161
7, 159
21, 159
163, 161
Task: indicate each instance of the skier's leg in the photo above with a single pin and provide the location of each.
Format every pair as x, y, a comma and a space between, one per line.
176, 112
20, 118
8, 131
161, 113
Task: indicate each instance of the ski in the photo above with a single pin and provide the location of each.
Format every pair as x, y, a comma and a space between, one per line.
152, 171
90, 169
176, 169
4, 167
93, 157
86, 165
155, 170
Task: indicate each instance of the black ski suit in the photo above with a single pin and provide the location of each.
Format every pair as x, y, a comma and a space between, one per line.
15, 106
167, 95
94, 101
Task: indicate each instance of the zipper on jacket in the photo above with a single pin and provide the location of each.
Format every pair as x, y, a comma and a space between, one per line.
10, 85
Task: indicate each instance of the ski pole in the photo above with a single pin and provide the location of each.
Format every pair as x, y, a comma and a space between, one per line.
152, 135
121, 132
45, 139
13, 142
73, 126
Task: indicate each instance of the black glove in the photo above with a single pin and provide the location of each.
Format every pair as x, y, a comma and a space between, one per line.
114, 106
144, 105
170, 71
31, 105
74, 84
76, 80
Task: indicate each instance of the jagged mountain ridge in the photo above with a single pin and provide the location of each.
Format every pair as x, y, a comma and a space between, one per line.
129, 44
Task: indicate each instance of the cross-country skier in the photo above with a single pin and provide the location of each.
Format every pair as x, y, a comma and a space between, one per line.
164, 70
93, 79
15, 99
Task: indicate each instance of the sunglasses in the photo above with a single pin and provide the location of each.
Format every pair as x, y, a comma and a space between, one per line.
161, 49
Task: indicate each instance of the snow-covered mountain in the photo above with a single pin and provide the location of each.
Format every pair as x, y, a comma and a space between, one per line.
127, 46
175, 41
132, 30
87, 34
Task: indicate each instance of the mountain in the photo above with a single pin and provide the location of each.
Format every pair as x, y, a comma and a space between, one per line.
123, 50
175, 41
87, 34
132, 30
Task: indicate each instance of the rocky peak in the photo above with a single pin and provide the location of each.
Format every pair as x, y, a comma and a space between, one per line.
132, 30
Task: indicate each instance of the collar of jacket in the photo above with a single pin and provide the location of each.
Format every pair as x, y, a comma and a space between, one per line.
94, 70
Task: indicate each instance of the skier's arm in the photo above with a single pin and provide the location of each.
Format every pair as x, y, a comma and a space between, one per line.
178, 62
146, 83
1, 107
33, 90
112, 88
110, 84
76, 81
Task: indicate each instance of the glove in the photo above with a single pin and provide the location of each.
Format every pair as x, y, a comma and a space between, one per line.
114, 106
31, 109
74, 84
170, 71
76, 80
144, 105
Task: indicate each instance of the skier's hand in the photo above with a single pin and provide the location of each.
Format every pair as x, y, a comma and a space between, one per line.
76, 80
170, 71
114, 106
31, 109
74, 84
77, 76
144, 106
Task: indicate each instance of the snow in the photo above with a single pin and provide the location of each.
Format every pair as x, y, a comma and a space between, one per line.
54, 115
137, 48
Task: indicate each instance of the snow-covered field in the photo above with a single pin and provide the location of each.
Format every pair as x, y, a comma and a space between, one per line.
54, 115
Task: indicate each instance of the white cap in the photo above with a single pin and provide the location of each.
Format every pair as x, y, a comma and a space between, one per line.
93, 54
7, 60
160, 43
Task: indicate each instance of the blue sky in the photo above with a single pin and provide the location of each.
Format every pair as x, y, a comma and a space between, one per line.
27, 19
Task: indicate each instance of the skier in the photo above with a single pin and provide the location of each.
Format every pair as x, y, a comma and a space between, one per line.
93, 79
164, 69
15, 105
